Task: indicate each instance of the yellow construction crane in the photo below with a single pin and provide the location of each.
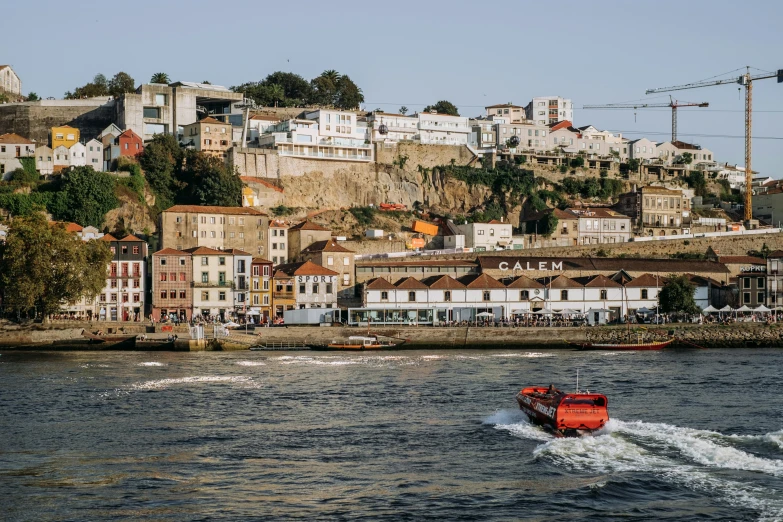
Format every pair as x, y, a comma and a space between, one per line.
672, 103
747, 80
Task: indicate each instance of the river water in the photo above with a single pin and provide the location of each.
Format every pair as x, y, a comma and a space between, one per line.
409, 435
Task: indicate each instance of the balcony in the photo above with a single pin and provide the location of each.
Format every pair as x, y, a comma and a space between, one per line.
213, 284
444, 128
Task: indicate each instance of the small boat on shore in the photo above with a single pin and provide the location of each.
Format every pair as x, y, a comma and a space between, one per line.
653, 345
111, 342
360, 342
564, 414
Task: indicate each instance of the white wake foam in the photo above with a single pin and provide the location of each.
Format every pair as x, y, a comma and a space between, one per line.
516, 423
161, 384
251, 363
151, 363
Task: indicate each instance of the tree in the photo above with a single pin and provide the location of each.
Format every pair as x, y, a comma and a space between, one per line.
33, 97
297, 90
548, 224
633, 165
677, 296
99, 86
325, 87
698, 182
349, 95
162, 162
577, 162
403, 110
210, 181
443, 107
120, 84
685, 159
84, 196
44, 266
160, 77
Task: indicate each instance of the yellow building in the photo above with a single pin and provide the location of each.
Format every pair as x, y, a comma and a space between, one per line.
65, 136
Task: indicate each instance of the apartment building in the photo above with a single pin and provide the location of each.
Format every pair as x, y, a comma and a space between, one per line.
213, 283
172, 285
443, 129
208, 135
124, 297
167, 109
261, 304
64, 135
392, 127
602, 226
278, 241
566, 232
9, 81
330, 254
508, 111
189, 226
12, 149
656, 210
544, 110
642, 150
671, 152
304, 285
483, 237
304, 234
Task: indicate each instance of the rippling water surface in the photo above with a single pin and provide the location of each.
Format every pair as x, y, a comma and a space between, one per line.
410, 435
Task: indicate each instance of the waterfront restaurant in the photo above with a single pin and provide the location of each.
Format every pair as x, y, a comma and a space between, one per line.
475, 297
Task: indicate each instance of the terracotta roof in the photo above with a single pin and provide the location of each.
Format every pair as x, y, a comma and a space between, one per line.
326, 246
597, 281
205, 209
379, 283
170, 252
776, 253
562, 281
704, 281
481, 281
304, 268
210, 119
560, 125
524, 282
251, 179
129, 132
423, 262
261, 261
499, 105
69, 227
308, 225
10, 137
265, 117
496, 222
660, 190
597, 212
237, 252
130, 237
559, 214
744, 260
108, 237
410, 283
276, 223
204, 251
646, 280
442, 282
683, 145
608, 264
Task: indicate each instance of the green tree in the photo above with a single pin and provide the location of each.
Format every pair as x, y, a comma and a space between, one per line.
325, 87
677, 296
120, 84
44, 267
84, 196
697, 182
160, 77
633, 165
99, 86
685, 159
577, 162
443, 107
349, 95
403, 110
33, 97
210, 181
162, 162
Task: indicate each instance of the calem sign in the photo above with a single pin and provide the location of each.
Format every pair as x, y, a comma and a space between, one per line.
541, 265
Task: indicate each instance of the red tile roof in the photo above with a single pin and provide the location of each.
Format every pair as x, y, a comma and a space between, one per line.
305, 268
379, 283
597, 281
108, 237
646, 281
261, 261
743, 260
170, 252
480, 281
326, 246
205, 209
15, 139
130, 237
204, 251
69, 227
443, 282
524, 282
410, 283
562, 281
308, 225
251, 179
237, 252
210, 119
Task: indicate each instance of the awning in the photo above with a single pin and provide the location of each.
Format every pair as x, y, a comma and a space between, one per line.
744, 308
543, 311
253, 312
710, 310
726, 308
762, 309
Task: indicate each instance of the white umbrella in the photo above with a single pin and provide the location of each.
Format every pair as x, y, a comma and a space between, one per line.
643, 310
230, 324
726, 308
543, 311
520, 311
744, 308
485, 314
762, 309
710, 309
570, 311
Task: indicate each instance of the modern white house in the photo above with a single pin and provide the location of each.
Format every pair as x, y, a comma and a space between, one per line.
94, 151
443, 129
12, 148
642, 149
78, 154
392, 127
482, 237
62, 158
671, 152
44, 160
544, 110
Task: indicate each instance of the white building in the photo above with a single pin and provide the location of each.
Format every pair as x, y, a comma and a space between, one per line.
671, 152
508, 111
213, 282
393, 127
602, 226
443, 129
545, 110
62, 158
9, 81
78, 154
481, 237
94, 150
642, 149
44, 160
12, 148
242, 262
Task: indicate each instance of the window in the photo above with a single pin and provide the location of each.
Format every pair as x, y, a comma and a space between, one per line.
486, 295
447, 296
746, 282
241, 222
480, 232
644, 293
152, 112
603, 294
205, 296
163, 276
162, 261
760, 297
346, 261
163, 294
160, 99
221, 261
329, 260
524, 295
346, 279
136, 250
746, 298
204, 261
316, 288
564, 295
384, 296
265, 286
182, 294
412, 296
302, 289
760, 283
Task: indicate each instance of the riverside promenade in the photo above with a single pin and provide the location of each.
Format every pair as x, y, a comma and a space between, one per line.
737, 335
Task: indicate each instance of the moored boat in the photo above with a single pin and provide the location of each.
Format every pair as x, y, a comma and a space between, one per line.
359, 342
564, 414
653, 345
111, 342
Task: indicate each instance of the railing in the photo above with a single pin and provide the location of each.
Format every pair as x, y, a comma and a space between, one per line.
283, 152
444, 128
212, 284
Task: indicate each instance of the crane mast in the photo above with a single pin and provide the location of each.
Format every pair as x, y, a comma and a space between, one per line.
747, 81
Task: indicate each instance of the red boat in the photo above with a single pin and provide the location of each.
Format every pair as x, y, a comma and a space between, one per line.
564, 414
655, 345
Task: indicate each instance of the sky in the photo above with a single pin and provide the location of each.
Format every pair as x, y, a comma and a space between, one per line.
414, 53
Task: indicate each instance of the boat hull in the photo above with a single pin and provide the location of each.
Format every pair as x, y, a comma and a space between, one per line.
564, 414
623, 346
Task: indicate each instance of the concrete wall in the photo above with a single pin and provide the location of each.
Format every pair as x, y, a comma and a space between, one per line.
425, 155
33, 120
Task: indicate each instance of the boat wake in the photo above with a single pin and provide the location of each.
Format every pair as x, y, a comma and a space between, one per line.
700, 460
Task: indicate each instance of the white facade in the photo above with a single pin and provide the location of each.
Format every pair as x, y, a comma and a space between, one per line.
482, 237
602, 226
642, 149
316, 291
12, 148
242, 267
544, 110
9, 81
213, 281
442, 129
671, 153
398, 127
78, 154
94, 154
62, 157
44, 160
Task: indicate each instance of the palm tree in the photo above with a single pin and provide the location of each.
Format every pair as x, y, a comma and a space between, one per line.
160, 77
332, 75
